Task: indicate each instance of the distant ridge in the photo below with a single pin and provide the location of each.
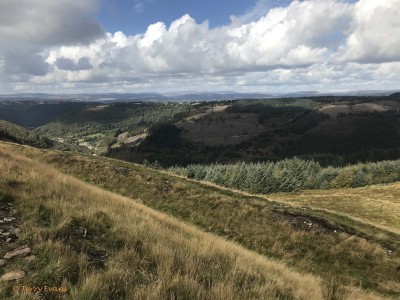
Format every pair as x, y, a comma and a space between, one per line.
183, 96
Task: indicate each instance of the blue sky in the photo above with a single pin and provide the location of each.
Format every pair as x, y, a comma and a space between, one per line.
267, 46
133, 17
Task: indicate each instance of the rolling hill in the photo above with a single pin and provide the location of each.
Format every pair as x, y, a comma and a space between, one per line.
82, 243
333, 130
17, 134
347, 251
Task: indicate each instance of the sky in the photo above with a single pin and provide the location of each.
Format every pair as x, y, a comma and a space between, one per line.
268, 46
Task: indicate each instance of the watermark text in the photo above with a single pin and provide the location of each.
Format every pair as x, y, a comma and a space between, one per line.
39, 289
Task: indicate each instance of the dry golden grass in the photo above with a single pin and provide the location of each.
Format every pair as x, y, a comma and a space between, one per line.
378, 205
176, 260
180, 259
345, 259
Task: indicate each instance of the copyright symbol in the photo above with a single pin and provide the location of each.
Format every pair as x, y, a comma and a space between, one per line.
15, 288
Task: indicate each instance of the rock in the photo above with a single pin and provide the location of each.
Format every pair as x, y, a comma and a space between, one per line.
14, 275
19, 252
8, 219
30, 258
8, 240
17, 232
2, 262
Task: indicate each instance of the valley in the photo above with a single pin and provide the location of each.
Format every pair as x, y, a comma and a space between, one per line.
200, 150
279, 198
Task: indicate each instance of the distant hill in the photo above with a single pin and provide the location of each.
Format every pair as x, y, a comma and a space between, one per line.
17, 134
182, 96
332, 130
329, 129
13, 133
397, 95
31, 114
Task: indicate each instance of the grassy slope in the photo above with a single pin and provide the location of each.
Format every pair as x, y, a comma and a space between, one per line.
150, 255
376, 204
330, 250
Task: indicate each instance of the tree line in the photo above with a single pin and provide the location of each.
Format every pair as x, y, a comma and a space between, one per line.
291, 175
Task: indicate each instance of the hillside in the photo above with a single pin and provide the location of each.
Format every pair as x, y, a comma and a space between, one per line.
332, 130
343, 251
83, 245
95, 126
376, 204
35, 113
14, 133
20, 135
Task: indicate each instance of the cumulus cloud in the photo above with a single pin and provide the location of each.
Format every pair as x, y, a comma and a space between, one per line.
258, 10
375, 35
29, 28
68, 64
285, 37
320, 44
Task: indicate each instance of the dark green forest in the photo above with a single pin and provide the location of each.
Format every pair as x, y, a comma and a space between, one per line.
291, 175
330, 131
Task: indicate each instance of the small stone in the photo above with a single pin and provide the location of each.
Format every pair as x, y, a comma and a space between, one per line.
17, 232
30, 258
14, 275
19, 252
8, 240
2, 262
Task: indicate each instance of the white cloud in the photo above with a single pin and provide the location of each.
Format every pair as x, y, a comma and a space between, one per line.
140, 5
258, 10
375, 35
28, 28
323, 44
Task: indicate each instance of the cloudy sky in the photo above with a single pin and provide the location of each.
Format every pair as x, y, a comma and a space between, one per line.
91, 46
